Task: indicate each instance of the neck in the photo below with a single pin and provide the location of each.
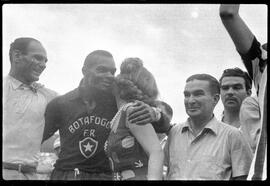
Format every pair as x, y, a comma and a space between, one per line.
86, 91
120, 102
197, 124
19, 77
231, 117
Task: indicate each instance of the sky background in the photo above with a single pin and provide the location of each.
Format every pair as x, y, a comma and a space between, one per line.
175, 41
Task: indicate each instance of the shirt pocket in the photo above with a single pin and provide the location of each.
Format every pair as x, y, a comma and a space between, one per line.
210, 167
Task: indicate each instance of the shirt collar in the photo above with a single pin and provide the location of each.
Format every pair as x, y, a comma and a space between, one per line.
211, 125
16, 84
79, 92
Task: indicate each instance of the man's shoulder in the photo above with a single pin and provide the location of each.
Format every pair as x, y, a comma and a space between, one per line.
177, 127
226, 128
48, 91
251, 100
65, 98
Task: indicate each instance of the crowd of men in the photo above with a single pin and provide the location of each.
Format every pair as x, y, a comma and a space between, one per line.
202, 147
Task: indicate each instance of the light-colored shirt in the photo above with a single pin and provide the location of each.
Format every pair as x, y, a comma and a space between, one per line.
23, 121
250, 121
218, 152
260, 82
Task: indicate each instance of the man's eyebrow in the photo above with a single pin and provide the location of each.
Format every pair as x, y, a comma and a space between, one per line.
198, 91
232, 84
195, 91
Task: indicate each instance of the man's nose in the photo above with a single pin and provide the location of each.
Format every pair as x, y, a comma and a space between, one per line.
191, 99
110, 75
230, 90
42, 64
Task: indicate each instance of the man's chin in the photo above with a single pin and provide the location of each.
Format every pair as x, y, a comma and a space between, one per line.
104, 90
33, 79
193, 113
231, 105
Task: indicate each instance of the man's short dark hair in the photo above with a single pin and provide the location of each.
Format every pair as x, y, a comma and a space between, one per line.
237, 72
213, 82
20, 44
90, 59
167, 107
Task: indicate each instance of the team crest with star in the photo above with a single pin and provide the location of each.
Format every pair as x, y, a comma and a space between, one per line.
88, 147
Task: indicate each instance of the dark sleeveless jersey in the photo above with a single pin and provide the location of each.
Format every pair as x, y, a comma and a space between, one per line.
122, 148
82, 132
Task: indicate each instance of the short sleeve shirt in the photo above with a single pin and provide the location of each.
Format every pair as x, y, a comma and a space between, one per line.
83, 132
218, 152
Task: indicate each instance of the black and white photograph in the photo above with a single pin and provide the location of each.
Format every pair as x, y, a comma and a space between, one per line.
146, 91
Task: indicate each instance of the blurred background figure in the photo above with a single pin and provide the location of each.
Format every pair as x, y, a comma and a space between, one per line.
169, 112
48, 157
56, 146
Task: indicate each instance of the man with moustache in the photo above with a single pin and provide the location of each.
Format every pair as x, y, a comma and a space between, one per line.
24, 103
83, 117
240, 109
203, 148
235, 86
254, 56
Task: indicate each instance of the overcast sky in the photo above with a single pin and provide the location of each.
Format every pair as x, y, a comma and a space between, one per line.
174, 40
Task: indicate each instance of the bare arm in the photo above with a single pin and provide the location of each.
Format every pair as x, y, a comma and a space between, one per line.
52, 119
236, 27
148, 139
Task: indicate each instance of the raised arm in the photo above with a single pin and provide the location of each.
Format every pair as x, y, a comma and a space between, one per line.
236, 27
254, 55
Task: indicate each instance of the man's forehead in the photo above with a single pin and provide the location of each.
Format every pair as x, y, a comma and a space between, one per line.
196, 85
36, 47
99, 60
230, 80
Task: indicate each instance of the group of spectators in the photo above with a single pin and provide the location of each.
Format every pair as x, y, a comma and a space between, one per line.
114, 127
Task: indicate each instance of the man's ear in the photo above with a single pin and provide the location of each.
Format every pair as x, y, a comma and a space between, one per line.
16, 56
249, 92
216, 98
83, 71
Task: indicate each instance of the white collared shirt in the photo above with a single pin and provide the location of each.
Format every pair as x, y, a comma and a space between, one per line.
23, 120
